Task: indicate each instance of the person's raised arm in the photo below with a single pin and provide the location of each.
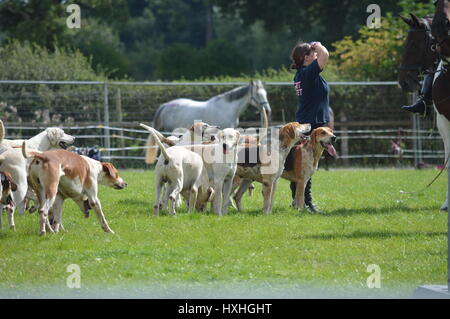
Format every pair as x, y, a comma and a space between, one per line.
322, 54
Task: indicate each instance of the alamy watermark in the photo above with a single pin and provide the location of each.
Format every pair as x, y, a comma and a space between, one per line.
374, 280
374, 20
74, 20
74, 279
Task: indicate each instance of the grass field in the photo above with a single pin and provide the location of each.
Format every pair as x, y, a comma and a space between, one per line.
367, 221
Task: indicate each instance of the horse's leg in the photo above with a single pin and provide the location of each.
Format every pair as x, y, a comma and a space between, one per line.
444, 130
443, 126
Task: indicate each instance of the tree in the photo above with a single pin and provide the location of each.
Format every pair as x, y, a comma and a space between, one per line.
326, 20
376, 54
44, 21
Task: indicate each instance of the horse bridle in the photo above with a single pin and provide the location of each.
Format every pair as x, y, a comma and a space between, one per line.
260, 104
429, 44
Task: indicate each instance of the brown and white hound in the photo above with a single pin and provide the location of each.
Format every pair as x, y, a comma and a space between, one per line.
56, 175
7, 186
303, 161
267, 163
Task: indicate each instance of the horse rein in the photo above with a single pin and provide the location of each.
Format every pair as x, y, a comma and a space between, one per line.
431, 183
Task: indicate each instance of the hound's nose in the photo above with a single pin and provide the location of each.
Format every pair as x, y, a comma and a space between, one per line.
334, 138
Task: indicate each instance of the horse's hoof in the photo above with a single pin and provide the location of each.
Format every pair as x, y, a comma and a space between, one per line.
13, 228
444, 208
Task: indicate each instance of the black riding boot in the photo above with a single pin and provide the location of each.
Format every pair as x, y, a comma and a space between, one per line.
308, 198
423, 105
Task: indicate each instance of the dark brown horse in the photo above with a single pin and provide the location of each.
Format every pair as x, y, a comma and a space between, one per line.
440, 30
423, 44
418, 57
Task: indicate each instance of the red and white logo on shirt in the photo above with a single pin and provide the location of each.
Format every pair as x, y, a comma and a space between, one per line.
298, 88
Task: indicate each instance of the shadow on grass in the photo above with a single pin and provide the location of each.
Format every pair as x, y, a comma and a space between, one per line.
368, 234
377, 210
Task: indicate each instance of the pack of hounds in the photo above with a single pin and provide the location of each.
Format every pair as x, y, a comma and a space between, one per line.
205, 165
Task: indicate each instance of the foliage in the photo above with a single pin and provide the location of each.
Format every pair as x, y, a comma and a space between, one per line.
141, 39
321, 20
184, 62
102, 44
375, 54
26, 61
43, 103
44, 21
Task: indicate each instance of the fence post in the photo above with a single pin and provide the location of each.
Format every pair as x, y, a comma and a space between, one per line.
120, 118
106, 120
344, 138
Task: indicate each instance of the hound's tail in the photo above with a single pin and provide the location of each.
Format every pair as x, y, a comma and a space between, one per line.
154, 133
27, 154
152, 152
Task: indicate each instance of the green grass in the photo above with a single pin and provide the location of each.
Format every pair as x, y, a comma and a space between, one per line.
367, 221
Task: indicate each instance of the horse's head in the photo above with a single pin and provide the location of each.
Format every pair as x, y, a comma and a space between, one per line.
418, 55
258, 97
440, 28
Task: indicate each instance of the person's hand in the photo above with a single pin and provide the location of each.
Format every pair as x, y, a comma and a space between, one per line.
314, 45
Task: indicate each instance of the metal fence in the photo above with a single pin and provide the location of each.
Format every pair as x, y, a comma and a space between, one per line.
371, 128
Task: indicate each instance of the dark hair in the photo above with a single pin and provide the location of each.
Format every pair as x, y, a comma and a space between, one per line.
298, 54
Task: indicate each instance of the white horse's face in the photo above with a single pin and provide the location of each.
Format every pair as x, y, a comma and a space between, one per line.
259, 97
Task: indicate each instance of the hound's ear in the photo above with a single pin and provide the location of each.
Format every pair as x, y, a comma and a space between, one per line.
304, 128
407, 20
109, 169
415, 19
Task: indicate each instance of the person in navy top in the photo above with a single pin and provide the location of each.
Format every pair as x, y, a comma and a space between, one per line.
310, 59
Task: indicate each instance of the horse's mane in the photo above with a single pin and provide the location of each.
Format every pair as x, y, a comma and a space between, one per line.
235, 94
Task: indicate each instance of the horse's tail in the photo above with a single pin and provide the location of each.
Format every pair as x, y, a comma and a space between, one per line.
2, 131
154, 133
265, 126
157, 121
151, 152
